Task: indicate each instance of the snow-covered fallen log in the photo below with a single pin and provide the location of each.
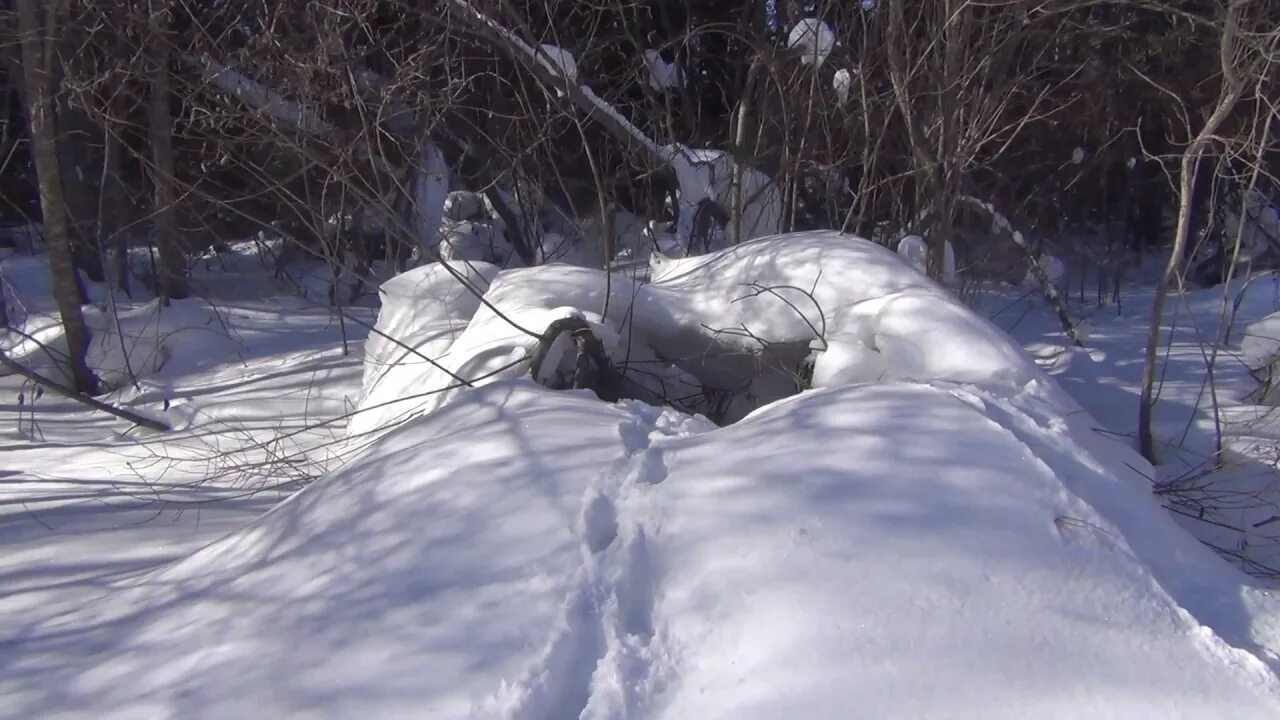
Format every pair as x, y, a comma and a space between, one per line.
741, 327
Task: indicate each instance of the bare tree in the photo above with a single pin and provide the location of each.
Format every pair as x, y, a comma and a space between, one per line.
38, 27
1235, 61
171, 280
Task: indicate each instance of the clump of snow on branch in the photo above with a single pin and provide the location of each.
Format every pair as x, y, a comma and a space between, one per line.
842, 82
704, 174
814, 40
663, 75
560, 61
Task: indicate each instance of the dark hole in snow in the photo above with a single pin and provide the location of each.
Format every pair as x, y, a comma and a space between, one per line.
730, 377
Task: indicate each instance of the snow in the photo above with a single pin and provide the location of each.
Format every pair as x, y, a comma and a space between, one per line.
1077, 156
707, 174
935, 527
262, 98
1257, 229
431, 193
481, 241
560, 61
1225, 499
842, 82
423, 312
530, 554
742, 318
462, 205
814, 40
1260, 346
663, 75
1054, 269
915, 250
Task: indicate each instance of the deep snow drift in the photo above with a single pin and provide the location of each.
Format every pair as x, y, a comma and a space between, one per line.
936, 530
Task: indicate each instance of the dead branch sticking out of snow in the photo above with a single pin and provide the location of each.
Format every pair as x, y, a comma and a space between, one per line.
67, 392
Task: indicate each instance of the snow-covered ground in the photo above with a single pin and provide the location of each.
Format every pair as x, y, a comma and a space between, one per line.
1230, 500
944, 526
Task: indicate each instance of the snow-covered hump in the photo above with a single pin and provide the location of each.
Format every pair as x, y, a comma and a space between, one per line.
753, 320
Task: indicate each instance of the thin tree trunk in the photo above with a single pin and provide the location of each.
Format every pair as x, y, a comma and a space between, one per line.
1232, 90
36, 60
172, 270
948, 145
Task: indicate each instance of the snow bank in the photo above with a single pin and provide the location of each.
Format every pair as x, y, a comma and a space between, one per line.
936, 530
911, 551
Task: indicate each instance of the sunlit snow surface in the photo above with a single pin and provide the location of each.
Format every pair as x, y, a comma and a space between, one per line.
944, 534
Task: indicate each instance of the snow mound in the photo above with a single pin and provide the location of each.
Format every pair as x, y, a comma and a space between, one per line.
423, 312
869, 314
913, 549
751, 321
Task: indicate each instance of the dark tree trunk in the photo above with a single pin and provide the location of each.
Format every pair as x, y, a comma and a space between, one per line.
172, 271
